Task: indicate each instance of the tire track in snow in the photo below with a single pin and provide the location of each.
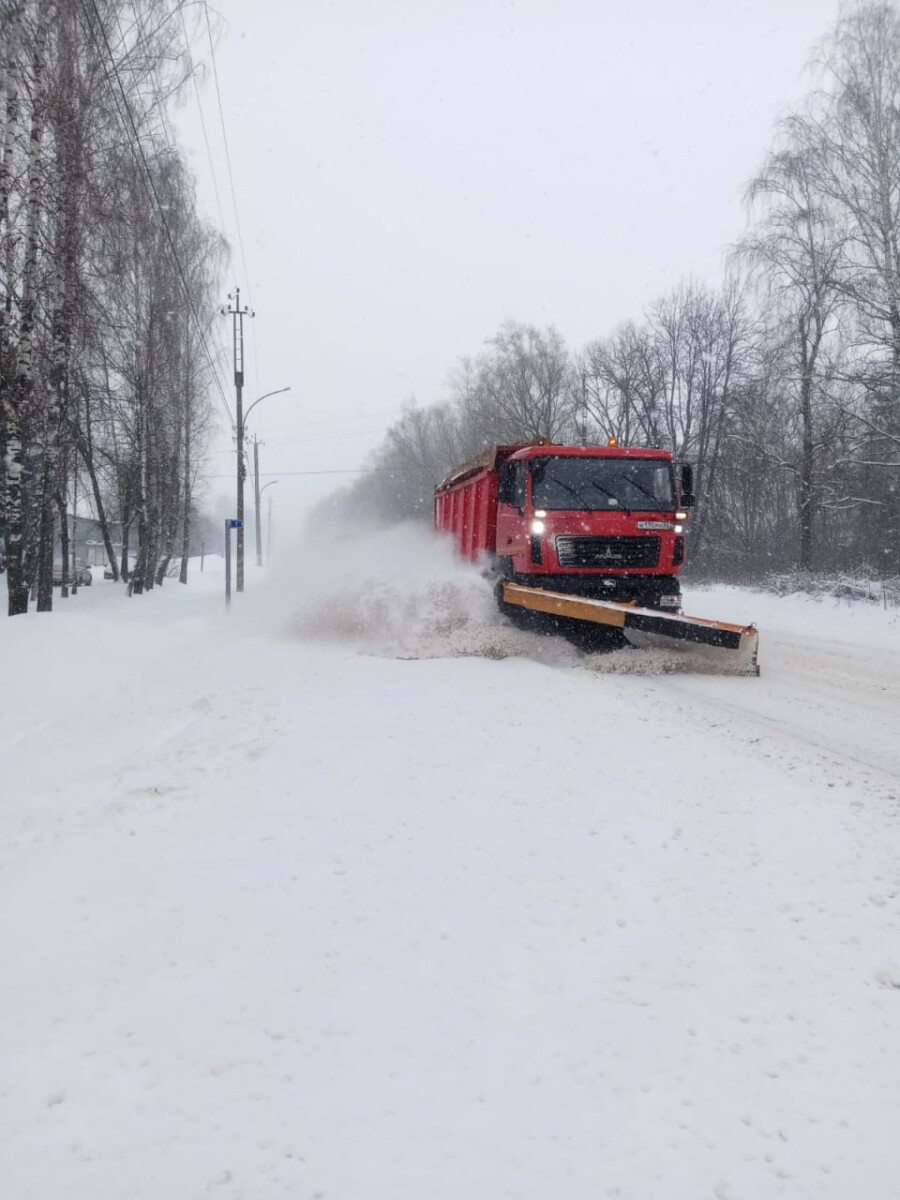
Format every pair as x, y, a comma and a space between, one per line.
829, 709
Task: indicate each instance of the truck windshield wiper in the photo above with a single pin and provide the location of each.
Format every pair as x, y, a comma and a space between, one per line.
572, 492
657, 502
582, 500
612, 495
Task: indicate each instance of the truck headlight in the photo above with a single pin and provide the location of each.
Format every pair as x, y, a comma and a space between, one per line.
538, 526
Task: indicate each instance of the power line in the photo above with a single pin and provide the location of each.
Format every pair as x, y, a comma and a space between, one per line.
159, 104
148, 183
344, 471
349, 417
317, 437
302, 439
212, 168
137, 150
234, 203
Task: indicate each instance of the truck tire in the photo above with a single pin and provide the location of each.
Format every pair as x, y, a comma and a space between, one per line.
591, 638
520, 617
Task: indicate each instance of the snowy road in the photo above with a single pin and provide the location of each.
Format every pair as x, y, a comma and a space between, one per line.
834, 708
346, 924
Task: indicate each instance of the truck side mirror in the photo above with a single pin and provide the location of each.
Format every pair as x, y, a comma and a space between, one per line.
687, 486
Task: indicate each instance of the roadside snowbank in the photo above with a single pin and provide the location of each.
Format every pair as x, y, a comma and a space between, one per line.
838, 620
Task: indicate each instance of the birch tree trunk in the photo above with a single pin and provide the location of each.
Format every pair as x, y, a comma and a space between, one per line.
84, 445
68, 168
10, 31
19, 394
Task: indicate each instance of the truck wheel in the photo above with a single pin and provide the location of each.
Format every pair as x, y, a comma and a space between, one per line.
522, 618
591, 638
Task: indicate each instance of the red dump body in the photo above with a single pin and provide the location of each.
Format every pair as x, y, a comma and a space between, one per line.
465, 504
620, 537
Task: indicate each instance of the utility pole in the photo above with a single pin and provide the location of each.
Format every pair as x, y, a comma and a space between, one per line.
228, 527
271, 483
256, 505
277, 392
237, 314
230, 523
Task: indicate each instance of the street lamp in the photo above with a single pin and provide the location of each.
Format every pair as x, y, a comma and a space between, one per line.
277, 392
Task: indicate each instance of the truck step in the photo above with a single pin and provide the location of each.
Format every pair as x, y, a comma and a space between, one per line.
741, 642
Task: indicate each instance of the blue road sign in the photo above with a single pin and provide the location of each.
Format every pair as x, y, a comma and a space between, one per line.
236, 524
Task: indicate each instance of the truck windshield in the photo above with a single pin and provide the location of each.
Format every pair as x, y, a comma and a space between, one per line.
594, 484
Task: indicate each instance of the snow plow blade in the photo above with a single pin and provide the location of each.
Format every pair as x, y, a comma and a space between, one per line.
739, 644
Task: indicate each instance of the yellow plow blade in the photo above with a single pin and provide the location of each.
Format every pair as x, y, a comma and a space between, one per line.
739, 643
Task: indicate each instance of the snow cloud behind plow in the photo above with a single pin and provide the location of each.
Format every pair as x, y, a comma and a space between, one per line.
403, 593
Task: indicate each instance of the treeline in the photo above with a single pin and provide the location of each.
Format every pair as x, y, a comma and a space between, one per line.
782, 385
107, 277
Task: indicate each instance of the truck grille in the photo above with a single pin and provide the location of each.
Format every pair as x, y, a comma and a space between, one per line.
611, 552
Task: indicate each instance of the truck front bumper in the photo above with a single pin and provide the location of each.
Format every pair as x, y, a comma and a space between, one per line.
645, 591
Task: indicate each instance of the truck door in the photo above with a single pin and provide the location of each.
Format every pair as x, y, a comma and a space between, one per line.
511, 495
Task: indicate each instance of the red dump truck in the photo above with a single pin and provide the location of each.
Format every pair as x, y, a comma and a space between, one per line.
603, 522
591, 537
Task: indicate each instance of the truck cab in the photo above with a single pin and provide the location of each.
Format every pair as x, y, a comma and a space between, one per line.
604, 522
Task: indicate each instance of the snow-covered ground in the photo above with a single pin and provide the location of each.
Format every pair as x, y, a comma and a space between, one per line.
359, 894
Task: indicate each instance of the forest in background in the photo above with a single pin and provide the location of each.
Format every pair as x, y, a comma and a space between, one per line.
107, 284
781, 385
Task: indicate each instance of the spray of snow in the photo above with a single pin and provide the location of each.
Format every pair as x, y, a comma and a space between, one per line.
404, 593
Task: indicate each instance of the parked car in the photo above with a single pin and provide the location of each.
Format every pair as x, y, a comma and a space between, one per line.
79, 573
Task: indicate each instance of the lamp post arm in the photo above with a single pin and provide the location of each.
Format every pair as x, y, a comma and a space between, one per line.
277, 392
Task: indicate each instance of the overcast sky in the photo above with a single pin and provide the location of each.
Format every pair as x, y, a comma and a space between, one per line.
409, 174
